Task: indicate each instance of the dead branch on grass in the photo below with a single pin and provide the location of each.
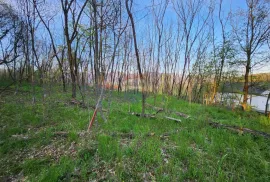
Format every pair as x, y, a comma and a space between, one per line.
239, 129
145, 115
173, 119
159, 109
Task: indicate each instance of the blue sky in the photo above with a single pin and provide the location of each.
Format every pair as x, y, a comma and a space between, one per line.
143, 17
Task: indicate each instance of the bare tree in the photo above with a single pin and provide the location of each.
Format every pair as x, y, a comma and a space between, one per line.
251, 32
159, 11
70, 7
59, 59
188, 13
137, 55
221, 52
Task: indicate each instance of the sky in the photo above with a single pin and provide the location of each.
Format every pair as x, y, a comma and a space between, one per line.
142, 10
143, 7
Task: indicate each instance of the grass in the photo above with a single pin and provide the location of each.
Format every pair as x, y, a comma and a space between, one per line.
126, 147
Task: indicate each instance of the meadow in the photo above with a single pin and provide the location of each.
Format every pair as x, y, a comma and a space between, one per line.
48, 141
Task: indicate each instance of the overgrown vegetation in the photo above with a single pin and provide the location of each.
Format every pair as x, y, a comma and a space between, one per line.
46, 141
94, 90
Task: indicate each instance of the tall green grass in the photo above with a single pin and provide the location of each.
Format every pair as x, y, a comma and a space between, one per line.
127, 147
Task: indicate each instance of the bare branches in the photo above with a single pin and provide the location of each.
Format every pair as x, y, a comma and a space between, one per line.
137, 56
252, 33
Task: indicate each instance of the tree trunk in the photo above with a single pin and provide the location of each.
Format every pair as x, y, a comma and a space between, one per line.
182, 78
137, 58
267, 105
71, 66
63, 80
246, 84
96, 55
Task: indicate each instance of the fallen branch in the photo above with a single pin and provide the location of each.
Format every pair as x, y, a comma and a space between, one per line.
153, 116
168, 134
61, 133
65, 133
20, 137
174, 119
158, 109
78, 103
239, 129
182, 114
145, 115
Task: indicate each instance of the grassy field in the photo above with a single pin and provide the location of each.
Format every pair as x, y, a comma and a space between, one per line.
47, 141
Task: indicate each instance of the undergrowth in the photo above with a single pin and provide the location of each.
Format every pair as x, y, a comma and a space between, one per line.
46, 141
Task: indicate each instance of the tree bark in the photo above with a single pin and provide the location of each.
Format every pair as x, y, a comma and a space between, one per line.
246, 84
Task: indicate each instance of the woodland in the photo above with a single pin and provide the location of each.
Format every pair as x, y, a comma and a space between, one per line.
133, 90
